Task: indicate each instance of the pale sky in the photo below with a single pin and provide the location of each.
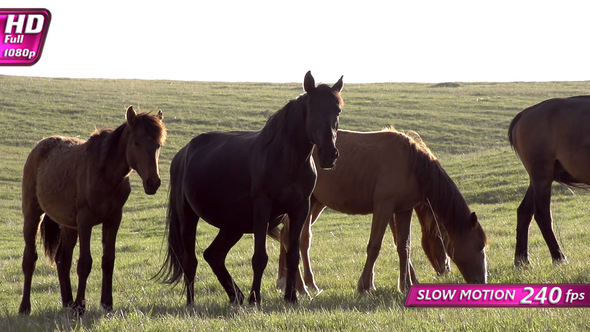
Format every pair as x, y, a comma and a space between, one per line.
278, 41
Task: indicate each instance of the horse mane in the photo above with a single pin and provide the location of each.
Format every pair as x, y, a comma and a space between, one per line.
153, 126
437, 186
278, 122
102, 140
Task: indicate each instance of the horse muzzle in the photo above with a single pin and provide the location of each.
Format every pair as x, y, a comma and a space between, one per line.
327, 157
150, 186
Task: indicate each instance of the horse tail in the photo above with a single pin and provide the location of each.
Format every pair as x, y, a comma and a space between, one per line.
513, 123
275, 232
172, 271
50, 235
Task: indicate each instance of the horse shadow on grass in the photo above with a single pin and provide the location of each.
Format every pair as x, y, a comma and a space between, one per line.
210, 307
216, 307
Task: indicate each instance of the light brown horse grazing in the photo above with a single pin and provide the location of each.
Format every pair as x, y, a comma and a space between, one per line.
552, 139
433, 242
389, 174
77, 185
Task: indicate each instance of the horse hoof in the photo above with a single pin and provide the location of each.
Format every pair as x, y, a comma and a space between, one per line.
254, 299
291, 299
444, 271
237, 300
107, 308
522, 261
77, 309
281, 284
364, 292
312, 287
560, 261
304, 292
24, 310
404, 288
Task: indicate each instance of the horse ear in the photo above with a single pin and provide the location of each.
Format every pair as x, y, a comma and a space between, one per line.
131, 116
308, 82
338, 85
473, 220
160, 115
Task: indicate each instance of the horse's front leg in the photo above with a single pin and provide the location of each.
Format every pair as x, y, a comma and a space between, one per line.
109, 235
433, 241
296, 220
262, 209
402, 228
382, 213
84, 266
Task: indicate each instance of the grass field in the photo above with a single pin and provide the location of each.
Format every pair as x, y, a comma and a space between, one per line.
465, 125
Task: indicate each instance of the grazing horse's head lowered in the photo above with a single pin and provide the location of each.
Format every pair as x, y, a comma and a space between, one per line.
320, 131
467, 250
143, 148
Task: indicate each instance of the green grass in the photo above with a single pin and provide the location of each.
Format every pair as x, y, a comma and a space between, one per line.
464, 125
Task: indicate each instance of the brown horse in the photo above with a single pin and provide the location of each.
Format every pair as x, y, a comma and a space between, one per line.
553, 142
389, 174
77, 185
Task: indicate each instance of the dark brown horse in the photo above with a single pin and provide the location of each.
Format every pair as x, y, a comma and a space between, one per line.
77, 185
389, 174
244, 182
552, 139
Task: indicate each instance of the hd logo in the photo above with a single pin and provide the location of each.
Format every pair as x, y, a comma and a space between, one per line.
23, 33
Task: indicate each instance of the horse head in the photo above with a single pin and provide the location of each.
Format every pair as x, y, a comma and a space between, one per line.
468, 252
324, 106
147, 134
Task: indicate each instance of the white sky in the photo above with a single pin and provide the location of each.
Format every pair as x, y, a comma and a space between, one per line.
278, 41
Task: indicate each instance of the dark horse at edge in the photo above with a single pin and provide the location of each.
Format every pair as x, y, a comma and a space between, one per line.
245, 182
553, 142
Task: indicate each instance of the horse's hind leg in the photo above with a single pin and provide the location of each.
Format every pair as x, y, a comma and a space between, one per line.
544, 220
32, 217
63, 260
306, 235
381, 217
215, 255
84, 266
308, 278
284, 246
189, 260
524, 213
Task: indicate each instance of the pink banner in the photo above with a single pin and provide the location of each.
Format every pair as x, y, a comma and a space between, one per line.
499, 295
22, 35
